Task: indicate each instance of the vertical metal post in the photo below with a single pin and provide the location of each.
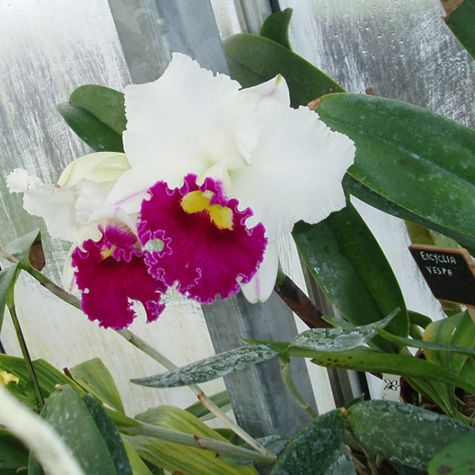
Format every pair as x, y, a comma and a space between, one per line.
149, 31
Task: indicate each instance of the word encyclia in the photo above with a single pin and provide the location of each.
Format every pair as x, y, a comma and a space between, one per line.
212, 176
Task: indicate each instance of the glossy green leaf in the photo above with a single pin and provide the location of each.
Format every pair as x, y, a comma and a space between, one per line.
7, 281
460, 19
97, 115
317, 449
276, 27
348, 264
71, 418
95, 378
403, 433
210, 368
175, 457
458, 458
373, 361
421, 161
377, 201
337, 339
253, 59
110, 435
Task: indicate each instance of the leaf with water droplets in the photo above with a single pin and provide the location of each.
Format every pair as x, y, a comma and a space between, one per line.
210, 368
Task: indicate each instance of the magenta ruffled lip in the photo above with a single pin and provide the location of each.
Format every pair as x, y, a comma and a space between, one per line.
202, 259
111, 274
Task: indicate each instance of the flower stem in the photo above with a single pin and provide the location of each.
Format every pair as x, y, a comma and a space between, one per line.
183, 438
290, 383
157, 356
40, 402
298, 302
200, 394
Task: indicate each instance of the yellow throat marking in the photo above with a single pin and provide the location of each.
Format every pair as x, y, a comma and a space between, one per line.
197, 202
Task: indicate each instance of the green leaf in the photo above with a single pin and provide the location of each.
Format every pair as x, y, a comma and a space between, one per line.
427, 345
175, 457
110, 435
12, 451
220, 399
48, 378
95, 378
21, 247
345, 259
403, 433
276, 27
373, 361
317, 449
7, 281
210, 368
458, 458
460, 16
362, 192
418, 160
253, 59
137, 464
331, 340
97, 115
71, 418
457, 330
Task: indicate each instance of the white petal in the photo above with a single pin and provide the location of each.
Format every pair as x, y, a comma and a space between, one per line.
98, 167
20, 181
187, 121
260, 288
296, 173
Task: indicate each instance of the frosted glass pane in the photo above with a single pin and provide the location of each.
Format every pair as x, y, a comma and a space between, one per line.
47, 49
403, 49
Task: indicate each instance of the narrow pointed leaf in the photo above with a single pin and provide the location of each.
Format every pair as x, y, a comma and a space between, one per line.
276, 27
427, 345
21, 247
460, 16
7, 281
366, 359
137, 464
421, 161
317, 449
210, 368
403, 433
176, 457
458, 458
336, 339
345, 259
253, 59
95, 378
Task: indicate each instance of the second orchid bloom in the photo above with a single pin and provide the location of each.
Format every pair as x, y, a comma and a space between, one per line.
212, 176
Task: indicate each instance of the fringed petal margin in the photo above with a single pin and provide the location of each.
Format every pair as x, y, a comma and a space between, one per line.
111, 273
208, 250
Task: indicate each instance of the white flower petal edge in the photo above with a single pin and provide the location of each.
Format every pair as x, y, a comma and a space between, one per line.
296, 173
80, 196
187, 121
260, 288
